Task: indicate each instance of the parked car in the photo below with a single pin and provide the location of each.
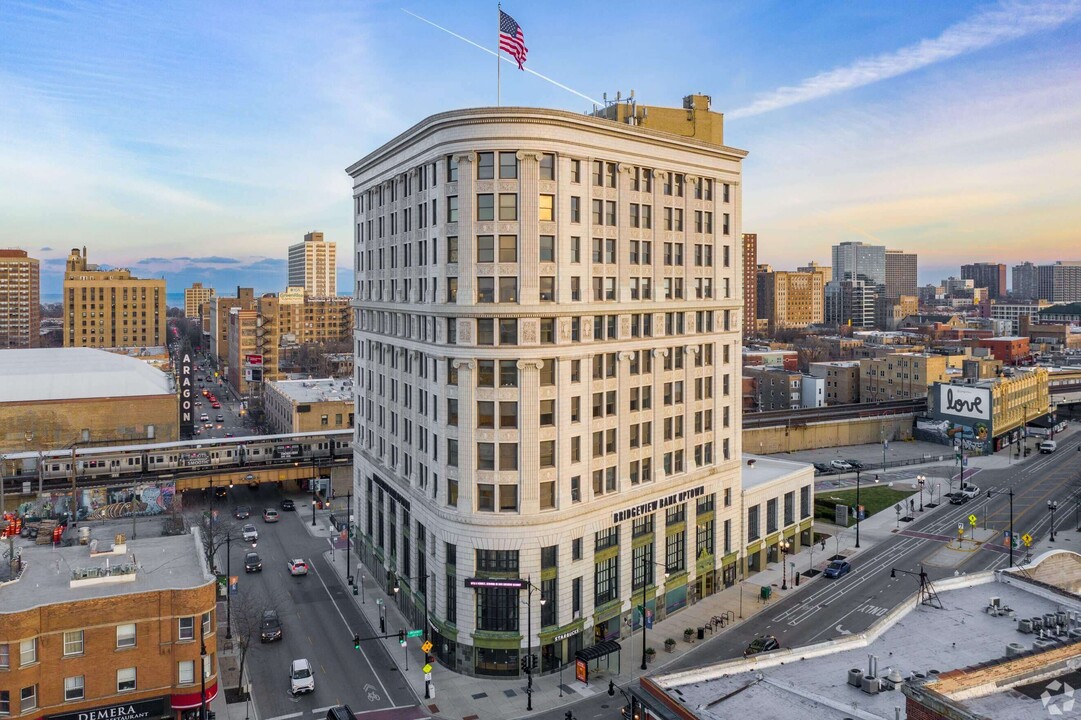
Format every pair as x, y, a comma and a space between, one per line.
250, 533
271, 627
962, 496
855, 464
288, 504
301, 677
837, 568
242, 512
270, 515
823, 468
298, 567
840, 465
252, 562
1048, 446
762, 644
340, 712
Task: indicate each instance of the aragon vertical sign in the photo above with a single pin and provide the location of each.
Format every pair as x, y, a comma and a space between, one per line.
187, 400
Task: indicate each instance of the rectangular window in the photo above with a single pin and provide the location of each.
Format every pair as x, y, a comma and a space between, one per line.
576, 171
28, 652
576, 209
5, 656
508, 373
73, 688
452, 169
548, 453
548, 167
546, 211
547, 290
508, 166
485, 166
186, 629
606, 581
508, 415
28, 698
508, 206
485, 206
485, 497
676, 552
452, 208
576, 597
508, 289
185, 672
125, 679
73, 643
547, 248
452, 249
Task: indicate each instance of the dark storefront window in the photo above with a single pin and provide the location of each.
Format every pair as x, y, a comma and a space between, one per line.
550, 608
497, 609
496, 662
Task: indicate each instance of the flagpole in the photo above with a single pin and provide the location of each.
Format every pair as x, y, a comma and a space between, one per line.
498, 60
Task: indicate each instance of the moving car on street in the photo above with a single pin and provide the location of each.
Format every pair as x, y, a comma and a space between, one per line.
242, 512
250, 533
301, 677
271, 627
288, 504
298, 567
270, 515
253, 563
762, 644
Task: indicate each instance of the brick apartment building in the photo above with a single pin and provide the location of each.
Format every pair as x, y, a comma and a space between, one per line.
104, 635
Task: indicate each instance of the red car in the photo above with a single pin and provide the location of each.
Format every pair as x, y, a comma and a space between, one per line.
216, 406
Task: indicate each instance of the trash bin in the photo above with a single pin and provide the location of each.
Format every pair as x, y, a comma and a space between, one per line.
765, 592
701, 633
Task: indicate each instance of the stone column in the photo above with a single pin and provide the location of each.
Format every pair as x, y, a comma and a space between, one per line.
467, 384
528, 227
467, 251
659, 354
528, 432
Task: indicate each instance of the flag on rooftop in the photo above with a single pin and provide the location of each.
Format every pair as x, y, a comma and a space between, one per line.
511, 39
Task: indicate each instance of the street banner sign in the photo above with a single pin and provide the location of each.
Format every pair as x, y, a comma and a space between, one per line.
414, 633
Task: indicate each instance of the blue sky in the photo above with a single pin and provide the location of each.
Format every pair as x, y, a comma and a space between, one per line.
188, 131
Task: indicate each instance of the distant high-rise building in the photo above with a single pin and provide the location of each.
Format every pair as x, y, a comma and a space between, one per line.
20, 300
313, 266
194, 298
218, 309
790, 299
110, 308
851, 302
1060, 282
856, 261
824, 270
989, 275
900, 273
750, 284
1026, 281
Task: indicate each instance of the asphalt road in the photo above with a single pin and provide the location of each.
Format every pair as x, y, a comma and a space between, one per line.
318, 618
856, 601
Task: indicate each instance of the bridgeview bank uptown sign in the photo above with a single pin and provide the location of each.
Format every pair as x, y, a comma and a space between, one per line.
141, 710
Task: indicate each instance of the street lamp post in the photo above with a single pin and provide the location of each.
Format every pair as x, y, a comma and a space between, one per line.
228, 581
921, 481
313, 492
857, 507
530, 587
202, 680
1052, 505
348, 532
991, 493
785, 545
644, 586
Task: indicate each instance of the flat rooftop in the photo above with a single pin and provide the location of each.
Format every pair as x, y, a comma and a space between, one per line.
51, 374
765, 470
925, 640
321, 390
160, 563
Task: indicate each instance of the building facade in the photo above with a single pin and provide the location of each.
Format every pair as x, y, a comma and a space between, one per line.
110, 308
791, 299
313, 265
20, 300
218, 310
900, 273
88, 633
901, 376
824, 270
53, 398
750, 284
987, 275
1010, 350
842, 380
297, 406
775, 388
851, 302
857, 261
1026, 281
1014, 311
194, 298
546, 394
1060, 282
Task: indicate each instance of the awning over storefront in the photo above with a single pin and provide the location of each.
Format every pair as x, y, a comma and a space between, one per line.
186, 701
598, 651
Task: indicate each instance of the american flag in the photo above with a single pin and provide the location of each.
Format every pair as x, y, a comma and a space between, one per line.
511, 39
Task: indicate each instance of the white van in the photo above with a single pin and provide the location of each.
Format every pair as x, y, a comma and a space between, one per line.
1048, 446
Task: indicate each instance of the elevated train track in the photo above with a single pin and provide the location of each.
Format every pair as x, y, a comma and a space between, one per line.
855, 411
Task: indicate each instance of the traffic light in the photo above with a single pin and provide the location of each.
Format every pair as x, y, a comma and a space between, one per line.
611, 687
356, 641
524, 662
401, 638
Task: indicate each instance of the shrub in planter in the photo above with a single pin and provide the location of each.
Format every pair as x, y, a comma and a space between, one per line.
688, 635
669, 643
650, 654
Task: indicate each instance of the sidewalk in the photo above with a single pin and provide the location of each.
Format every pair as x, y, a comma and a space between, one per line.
480, 698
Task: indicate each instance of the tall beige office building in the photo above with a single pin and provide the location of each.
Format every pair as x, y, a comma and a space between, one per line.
548, 376
110, 308
791, 299
20, 300
313, 266
900, 273
194, 298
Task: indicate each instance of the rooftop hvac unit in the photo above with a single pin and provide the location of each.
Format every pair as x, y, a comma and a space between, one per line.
1014, 649
855, 677
870, 685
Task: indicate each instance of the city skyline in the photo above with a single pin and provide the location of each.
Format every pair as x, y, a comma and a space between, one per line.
882, 124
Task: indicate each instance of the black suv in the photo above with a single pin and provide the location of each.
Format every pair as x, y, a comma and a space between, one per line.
761, 644
271, 628
253, 563
288, 504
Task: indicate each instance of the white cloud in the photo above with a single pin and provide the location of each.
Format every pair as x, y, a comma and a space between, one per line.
1007, 21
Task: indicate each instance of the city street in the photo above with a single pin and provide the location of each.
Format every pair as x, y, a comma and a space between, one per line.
317, 617
832, 608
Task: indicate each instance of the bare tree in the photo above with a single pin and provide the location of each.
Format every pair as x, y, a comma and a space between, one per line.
216, 533
248, 608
